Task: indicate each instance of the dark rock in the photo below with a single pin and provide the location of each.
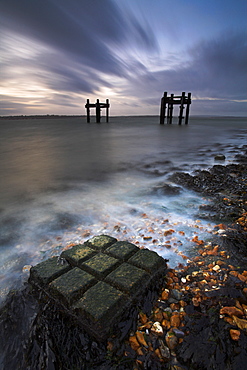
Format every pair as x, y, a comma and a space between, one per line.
178, 333
167, 189
176, 294
220, 157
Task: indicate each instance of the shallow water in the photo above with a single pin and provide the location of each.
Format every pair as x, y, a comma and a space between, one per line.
63, 181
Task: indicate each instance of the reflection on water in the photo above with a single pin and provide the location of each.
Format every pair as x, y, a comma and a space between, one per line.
64, 180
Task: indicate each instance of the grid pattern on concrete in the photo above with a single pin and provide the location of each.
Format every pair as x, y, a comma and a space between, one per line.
98, 280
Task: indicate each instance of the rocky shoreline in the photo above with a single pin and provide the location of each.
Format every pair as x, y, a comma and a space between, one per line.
200, 319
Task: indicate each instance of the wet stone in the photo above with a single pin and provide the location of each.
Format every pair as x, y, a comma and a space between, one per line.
147, 260
44, 272
100, 242
100, 305
100, 265
71, 285
78, 254
128, 278
100, 282
122, 250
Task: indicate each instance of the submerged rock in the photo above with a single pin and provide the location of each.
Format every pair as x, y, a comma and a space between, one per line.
220, 157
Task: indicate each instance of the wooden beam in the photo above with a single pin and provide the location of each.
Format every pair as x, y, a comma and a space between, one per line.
188, 109
88, 111
163, 108
107, 110
181, 109
170, 110
97, 111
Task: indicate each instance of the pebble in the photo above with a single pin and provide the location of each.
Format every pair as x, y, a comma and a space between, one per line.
164, 351
157, 328
178, 333
171, 340
235, 334
176, 294
26, 268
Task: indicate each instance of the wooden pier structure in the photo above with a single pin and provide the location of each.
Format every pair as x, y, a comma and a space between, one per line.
181, 100
98, 107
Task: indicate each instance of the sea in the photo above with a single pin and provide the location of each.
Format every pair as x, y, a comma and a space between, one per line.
63, 181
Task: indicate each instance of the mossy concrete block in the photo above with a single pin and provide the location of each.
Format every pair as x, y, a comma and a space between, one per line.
122, 250
100, 265
101, 304
148, 260
100, 242
100, 282
70, 286
44, 272
128, 278
78, 254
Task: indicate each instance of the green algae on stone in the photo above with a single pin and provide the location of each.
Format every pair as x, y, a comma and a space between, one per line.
147, 260
128, 278
71, 285
100, 265
100, 283
101, 302
100, 242
44, 272
122, 250
78, 254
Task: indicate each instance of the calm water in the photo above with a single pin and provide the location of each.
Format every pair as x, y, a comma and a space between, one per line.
63, 180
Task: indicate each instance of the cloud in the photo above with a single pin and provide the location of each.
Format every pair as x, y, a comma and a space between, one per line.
51, 48
213, 68
87, 31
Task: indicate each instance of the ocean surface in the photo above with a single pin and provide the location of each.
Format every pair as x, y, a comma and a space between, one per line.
63, 181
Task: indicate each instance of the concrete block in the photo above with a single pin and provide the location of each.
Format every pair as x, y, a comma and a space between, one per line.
70, 286
100, 265
148, 260
101, 305
122, 250
128, 278
100, 242
78, 254
44, 272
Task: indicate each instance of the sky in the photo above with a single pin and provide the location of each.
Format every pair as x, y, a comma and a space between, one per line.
55, 54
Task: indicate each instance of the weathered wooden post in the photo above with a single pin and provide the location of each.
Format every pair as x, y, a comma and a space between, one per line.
107, 110
97, 111
98, 107
170, 110
181, 109
88, 111
188, 109
163, 108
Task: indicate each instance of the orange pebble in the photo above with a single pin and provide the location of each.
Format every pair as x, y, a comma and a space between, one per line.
214, 251
143, 318
158, 316
166, 324
235, 334
229, 320
242, 278
231, 310
245, 291
175, 320
174, 306
164, 295
134, 342
233, 273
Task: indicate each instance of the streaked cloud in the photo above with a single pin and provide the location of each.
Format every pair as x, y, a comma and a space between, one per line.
56, 53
